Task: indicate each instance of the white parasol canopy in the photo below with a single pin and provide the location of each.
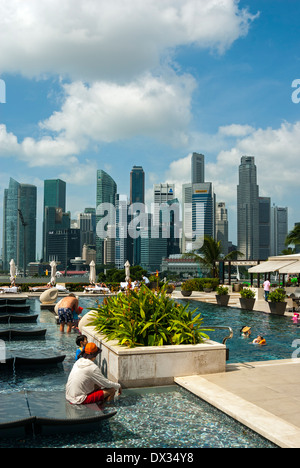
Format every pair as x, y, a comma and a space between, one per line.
53, 272
127, 271
12, 270
92, 277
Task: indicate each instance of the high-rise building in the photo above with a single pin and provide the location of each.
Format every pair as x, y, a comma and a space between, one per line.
137, 195
19, 224
264, 227
64, 245
199, 206
105, 218
86, 222
222, 226
137, 185
248, 209
279, 229
121, 231
153, 249
54, 215
198, 168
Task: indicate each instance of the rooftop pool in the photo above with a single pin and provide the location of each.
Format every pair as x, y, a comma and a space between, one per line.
168, 417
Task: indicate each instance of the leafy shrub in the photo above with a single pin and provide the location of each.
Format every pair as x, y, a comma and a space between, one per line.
146, 318
247, 293
222, 290
277, 296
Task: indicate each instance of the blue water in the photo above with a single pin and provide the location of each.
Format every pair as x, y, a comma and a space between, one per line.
167, 417
279, 332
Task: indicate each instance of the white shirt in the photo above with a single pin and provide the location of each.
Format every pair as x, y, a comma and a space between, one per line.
83, 378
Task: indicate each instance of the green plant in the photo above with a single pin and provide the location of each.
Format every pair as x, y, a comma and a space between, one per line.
207, 286
247, 293
146, 318
278, 295
187, 286
222, 290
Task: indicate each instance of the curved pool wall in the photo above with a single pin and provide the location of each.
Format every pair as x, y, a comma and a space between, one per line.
156, 417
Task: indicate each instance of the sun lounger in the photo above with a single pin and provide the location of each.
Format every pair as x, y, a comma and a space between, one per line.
96, 289
7, 289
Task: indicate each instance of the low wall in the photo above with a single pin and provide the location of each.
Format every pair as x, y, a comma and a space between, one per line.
154, 365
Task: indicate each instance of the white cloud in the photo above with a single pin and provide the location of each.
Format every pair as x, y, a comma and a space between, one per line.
97, 39
106, 112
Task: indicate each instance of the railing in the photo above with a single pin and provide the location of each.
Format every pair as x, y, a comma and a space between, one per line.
224, 339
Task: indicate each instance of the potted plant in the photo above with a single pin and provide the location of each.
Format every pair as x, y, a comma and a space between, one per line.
222, 296
186, 289
247, 299
207, 287
277, 302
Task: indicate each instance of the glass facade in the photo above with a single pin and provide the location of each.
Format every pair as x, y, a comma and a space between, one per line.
19, 200
106, 193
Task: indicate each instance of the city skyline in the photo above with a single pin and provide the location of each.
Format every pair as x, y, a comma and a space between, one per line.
188, 77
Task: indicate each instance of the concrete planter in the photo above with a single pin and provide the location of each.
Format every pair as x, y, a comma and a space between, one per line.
222, 300
247, 303
186, 293
277, 308
154, 365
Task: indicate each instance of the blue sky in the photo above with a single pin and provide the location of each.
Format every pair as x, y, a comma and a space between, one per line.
107, 85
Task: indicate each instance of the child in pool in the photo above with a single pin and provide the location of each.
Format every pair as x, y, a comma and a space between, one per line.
81, 342
259, 340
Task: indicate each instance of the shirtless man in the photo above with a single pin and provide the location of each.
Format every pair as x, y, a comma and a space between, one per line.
65, 312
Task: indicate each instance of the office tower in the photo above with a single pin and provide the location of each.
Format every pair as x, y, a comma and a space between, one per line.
137, 195
121, 231
264, 227
248, 209
162, 194
105, 218
54, 215
86, 222
19, 224
222, 226
64, 245
153, 249
279, 229
199, 207
137, 185
198, 168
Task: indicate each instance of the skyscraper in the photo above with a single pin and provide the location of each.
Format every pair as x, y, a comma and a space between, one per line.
105, 218
19, 224
198, 214
264, 227
222, 226
137, 195
198, 168
279, 229
137, 185
248, 209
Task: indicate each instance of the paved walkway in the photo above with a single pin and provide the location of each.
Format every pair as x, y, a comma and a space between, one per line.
263, 396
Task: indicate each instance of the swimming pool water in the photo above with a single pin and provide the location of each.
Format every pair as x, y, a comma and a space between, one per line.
168, 417
279, 332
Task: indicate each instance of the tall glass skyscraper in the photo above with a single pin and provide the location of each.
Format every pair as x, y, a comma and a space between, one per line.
248, 209
198, 168
54, 216
137, 195
106, 193
19, 224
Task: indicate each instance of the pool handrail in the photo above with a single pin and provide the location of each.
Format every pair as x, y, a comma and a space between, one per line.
223, 328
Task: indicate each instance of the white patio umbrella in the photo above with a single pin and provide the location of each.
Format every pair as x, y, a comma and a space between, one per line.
12, 270
92, 277
53, 272
127, 271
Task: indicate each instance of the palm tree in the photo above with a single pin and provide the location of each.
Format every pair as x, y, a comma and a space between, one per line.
210, 253
294, 236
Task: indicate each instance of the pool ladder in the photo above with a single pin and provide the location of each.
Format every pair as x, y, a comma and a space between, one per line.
224, 339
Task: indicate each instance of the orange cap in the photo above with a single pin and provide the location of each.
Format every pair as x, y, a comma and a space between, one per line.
91, 348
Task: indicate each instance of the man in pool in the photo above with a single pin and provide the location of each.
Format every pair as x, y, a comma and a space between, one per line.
86, 384
65, 312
